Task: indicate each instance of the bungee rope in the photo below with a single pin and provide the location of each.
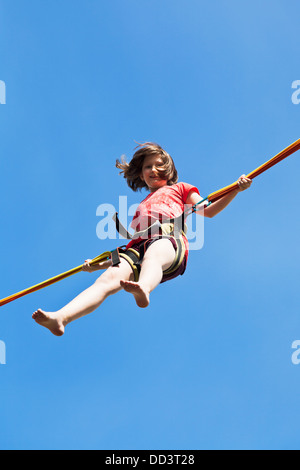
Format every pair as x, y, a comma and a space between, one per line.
261, 169
49, 282
215, 196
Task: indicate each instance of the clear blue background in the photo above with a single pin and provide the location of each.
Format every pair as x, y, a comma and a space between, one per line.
208, 364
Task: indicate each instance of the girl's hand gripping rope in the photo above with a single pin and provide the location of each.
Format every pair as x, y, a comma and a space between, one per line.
86, 267
244, 183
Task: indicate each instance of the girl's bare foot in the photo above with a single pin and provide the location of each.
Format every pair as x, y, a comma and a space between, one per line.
142, 297
48, 320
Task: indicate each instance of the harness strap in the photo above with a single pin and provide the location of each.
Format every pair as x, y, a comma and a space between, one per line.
154, 229
120, 228
174, 229
180, 252
115, 256
130, 255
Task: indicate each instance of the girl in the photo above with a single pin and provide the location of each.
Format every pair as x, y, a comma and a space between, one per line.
153, 256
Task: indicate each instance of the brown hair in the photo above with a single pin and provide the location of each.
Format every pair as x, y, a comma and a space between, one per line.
132, 171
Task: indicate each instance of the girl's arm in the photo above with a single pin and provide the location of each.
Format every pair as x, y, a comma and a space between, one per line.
217, 206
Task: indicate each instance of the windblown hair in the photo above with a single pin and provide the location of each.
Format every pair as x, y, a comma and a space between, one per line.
132, 171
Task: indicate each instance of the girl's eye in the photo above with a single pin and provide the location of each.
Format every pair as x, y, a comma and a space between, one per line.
149, 167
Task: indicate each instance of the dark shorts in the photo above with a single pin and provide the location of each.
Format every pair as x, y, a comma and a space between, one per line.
134, 255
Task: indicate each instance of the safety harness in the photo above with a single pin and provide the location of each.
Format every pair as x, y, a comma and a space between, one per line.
175, 229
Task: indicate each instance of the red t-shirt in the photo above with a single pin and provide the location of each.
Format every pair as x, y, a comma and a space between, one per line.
164, 204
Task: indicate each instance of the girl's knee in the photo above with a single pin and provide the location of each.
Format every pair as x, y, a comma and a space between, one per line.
105, 282
109, 281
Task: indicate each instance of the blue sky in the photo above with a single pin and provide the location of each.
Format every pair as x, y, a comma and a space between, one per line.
208, 364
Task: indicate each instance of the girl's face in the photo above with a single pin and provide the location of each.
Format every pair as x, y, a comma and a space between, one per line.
150, 174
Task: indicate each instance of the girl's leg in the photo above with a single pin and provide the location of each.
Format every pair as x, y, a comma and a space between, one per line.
158, 258
86, 302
